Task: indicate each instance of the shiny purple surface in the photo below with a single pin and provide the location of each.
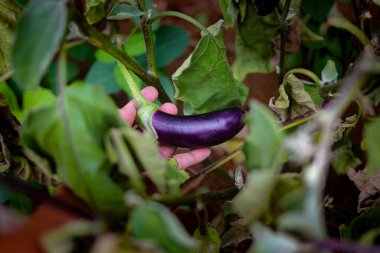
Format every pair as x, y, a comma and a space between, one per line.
202, 130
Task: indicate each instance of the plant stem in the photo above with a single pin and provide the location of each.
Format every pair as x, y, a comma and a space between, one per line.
99, 41
305, 72
146, 28
61, 72
6, 75
179, 200
283, 28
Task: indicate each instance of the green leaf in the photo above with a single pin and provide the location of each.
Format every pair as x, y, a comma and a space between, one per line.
365, 222
206, 71
135, 45
308, 35
95, 10
267, 241
67, 138
10, 95
9, 12
253, 202
104, 74
147, 156
254, 47
329, 73
313, 91
171, 42
372, 144
261, 147
31, 54
21, 202
124, 11
376, 2
210, 242
154, 222
37, 98
229, 11
343, 158
293, 101
317, 9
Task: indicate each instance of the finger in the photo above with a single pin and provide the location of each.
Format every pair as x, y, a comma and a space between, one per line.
169, 108
128, 112
166, 151
191, 158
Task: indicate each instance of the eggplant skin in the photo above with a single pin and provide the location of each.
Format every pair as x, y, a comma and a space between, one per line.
264, 7
201, 130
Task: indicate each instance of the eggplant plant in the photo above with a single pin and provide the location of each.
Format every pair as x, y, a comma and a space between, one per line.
288, 102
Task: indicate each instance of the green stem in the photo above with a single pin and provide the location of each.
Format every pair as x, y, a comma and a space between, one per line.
186, 18
307, 73
146, 28
283, 28
6, 75
61, 72
99, 41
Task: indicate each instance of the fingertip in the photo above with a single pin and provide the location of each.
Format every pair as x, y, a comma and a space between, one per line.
128, 114
169, 108
150, 93
191, 158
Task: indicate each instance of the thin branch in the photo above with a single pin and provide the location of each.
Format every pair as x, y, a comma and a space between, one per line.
6, 75
146, 28
99, 41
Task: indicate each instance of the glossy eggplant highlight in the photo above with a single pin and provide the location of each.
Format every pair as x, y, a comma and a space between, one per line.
202, 130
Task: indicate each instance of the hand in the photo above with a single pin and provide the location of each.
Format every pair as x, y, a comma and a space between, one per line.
184, 160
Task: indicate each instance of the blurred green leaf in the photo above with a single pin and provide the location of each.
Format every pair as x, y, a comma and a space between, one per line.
103, 73
154, 222
229, 11
343, 158
293, 101
67, 138
365, 222
206, 70
329, 73
210, 242
37, 98
313, 91
95, 10
254, 47
21, 203
171, 42
135, 45
307, 35
10, 95
372, 145
267, 241
264, 140
317, 9
31, 54
253, 201
343, 23
124, 11
9, 12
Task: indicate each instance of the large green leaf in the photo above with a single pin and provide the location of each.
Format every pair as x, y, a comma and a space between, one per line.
9, 11
39, 34
254, 47
171, 42
262, 145
69, 136
154, 222
372, 144
124, 11
206, 71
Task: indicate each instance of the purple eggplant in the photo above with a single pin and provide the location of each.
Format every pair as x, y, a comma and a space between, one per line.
264, 7
202, 130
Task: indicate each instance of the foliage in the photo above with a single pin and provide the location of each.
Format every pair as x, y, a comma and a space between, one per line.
82, 180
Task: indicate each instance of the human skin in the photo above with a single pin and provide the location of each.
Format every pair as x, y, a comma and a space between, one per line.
184, 160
